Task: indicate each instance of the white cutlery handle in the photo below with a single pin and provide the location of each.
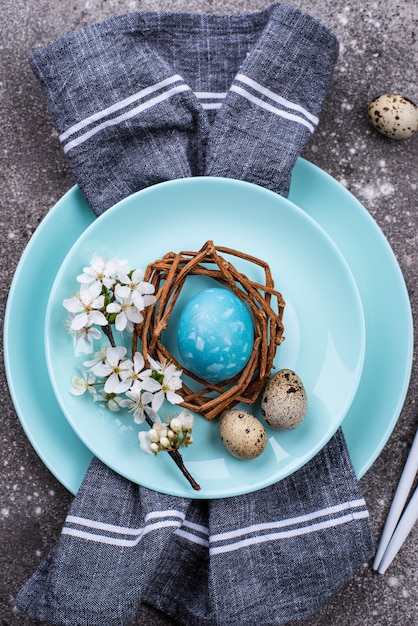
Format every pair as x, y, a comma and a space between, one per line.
401, 495
403, 529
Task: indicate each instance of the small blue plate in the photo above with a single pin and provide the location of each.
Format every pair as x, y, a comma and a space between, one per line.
323, 319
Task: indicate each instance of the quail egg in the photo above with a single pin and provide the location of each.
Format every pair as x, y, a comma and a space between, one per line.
242, 434
394, 116
284, 402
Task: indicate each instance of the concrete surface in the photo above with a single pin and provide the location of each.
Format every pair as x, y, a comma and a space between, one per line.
378, 55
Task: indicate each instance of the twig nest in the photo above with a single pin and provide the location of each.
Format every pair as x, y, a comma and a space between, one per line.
394, 116
284, 402
168, 276
242, 434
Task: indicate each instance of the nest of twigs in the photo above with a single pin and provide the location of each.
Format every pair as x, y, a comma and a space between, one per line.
168, 275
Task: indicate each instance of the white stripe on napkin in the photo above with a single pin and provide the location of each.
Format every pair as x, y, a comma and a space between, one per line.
295, 532
214, 99
256, 533
291, 521
202, 95
138, 533
230, 541
210, 105
117, 106
275, 97
127, 115
268, 106
192, 538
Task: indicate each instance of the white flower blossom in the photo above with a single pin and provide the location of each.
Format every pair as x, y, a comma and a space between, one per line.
112, 401
99, 356
88, 334
183, 421
136, 367
136, 289
170, 377
114, 369
83, 383
100, 272
138, 401
126, 314
85, 308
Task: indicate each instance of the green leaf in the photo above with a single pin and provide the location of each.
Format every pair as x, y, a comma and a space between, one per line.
157, 376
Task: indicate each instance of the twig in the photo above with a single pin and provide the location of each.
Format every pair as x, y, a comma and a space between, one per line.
178, 460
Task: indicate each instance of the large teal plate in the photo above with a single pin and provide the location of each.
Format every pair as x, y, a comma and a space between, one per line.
323, 319
376, 405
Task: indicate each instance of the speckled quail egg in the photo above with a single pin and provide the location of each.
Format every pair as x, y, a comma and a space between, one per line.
242, 434
394, 116
284, 402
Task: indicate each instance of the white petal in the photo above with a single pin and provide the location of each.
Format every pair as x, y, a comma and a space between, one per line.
122, 291
94, 290
123, 386
147, 397
114, 355
98, 303
121, 321
147, 288
73, 305
113, 406
149, 384
85, 295
137, 276
134, 315
148, 300
138, 300
187, 419
97, 317
94, 333
155, 365
144, 442
174, 398
97, 262
113, 307
85, 278
112, 383
138, 361
101, 369
79, 321
157, 400
108, 282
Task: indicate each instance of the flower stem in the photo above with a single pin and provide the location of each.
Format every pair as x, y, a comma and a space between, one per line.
108, 332
178, 460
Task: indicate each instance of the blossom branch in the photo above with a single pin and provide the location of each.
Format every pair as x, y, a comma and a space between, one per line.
111, 294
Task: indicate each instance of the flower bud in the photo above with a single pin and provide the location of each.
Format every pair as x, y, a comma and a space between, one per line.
176, 424
153, 435
187, 419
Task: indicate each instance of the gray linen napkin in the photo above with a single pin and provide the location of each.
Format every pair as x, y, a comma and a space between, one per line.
139, 99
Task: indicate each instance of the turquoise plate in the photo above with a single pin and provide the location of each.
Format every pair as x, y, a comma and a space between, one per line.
376, 405
323, 319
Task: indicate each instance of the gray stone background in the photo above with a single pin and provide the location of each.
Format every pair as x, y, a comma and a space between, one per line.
378, 55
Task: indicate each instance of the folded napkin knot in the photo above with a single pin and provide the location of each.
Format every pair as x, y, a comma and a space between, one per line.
149, 97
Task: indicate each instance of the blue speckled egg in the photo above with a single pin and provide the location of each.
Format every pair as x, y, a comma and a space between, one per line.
215, 335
